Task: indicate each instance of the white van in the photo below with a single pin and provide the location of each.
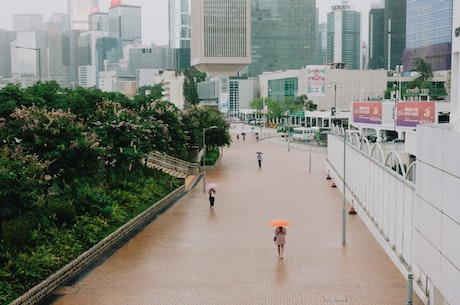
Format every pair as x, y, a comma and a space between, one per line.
301, 134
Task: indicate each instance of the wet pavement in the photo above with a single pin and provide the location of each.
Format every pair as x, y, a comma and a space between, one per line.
193, 255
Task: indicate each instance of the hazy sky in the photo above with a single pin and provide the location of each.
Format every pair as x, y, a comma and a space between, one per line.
154, 14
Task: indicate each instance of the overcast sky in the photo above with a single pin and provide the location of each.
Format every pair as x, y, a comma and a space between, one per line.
154, 14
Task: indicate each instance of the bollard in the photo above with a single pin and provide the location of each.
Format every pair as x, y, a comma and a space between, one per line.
410, 282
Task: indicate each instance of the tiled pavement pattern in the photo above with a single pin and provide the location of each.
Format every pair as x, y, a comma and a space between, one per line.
191, 255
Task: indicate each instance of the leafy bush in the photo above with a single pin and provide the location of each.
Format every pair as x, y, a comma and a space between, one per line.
17, 232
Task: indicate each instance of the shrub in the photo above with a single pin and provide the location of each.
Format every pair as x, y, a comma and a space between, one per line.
17, 232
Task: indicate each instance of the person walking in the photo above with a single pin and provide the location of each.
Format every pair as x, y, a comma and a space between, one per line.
237, 137
280, 240
259, 159
212, 197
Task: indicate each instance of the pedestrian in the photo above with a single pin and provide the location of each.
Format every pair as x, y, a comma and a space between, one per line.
212, 197
259, 159
280, 240
237, 137
244, 137
257, 136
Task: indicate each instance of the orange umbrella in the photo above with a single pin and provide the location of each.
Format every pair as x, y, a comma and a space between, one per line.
279, 223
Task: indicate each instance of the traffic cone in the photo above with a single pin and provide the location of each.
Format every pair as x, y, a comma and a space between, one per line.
328, 176
333, 184
352, 210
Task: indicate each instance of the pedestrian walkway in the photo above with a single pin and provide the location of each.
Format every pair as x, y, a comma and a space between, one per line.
192, 255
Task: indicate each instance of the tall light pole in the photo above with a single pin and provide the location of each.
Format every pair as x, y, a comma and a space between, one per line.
334, 109
204, 156
39, 61
344, 214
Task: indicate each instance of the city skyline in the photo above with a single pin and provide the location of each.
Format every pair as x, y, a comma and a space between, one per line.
154, 14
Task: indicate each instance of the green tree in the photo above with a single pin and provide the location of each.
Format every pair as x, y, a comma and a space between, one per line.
190, 91
20, 177
424, 69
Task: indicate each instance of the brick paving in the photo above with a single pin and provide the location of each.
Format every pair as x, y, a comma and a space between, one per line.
191, 255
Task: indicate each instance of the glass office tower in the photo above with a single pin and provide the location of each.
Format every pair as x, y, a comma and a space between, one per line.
179, 24
344, 37
395, 33
125, 22
376, 38
283, 35
429, 33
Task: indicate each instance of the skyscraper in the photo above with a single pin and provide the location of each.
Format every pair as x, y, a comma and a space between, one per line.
343, 37
79, 11
283, 35
6, 37
125, 22
376, 38
29, 55
429, 33
179, 24
58, 28
395, 33
221, 32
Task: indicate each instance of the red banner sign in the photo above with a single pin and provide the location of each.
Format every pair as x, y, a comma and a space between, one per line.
411, 114
367, 112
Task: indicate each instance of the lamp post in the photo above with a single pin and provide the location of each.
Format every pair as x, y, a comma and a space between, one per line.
344, 218
39, 59
204, 156
334, 109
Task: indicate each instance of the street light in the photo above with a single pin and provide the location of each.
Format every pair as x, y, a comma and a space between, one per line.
39, 59
204, 156
334, 109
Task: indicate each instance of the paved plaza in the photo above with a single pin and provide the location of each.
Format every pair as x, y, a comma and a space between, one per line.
192, 255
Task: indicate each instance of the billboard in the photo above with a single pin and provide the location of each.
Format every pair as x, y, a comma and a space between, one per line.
410, 114
316, 81
367, 112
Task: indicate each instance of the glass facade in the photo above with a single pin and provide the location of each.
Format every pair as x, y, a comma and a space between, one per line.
376, 39
344, 37
284, 87
179, 24
395, 31
429, 33
125, 23
283, 35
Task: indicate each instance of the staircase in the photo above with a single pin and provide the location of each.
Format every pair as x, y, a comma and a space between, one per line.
172, 166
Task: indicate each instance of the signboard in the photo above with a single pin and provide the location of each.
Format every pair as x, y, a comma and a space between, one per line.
410, 114
316, 81
367, 112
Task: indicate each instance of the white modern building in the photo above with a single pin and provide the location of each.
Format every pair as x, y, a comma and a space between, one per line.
79, 11
221, 31
179, 24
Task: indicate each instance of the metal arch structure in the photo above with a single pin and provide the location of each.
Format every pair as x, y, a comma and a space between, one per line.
365, 143
410, 172
377, 148
394, 154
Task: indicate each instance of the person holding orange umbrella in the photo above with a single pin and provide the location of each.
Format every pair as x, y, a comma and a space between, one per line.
280, 235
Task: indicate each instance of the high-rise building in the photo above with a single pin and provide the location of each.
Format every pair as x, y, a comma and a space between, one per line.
58, 29
79, 10
29, 52
179, 24
6, 37
395, 33
221, 31
283, 35
125, 22
344, 37
99, 21
376, 38
321, 43
429, 33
